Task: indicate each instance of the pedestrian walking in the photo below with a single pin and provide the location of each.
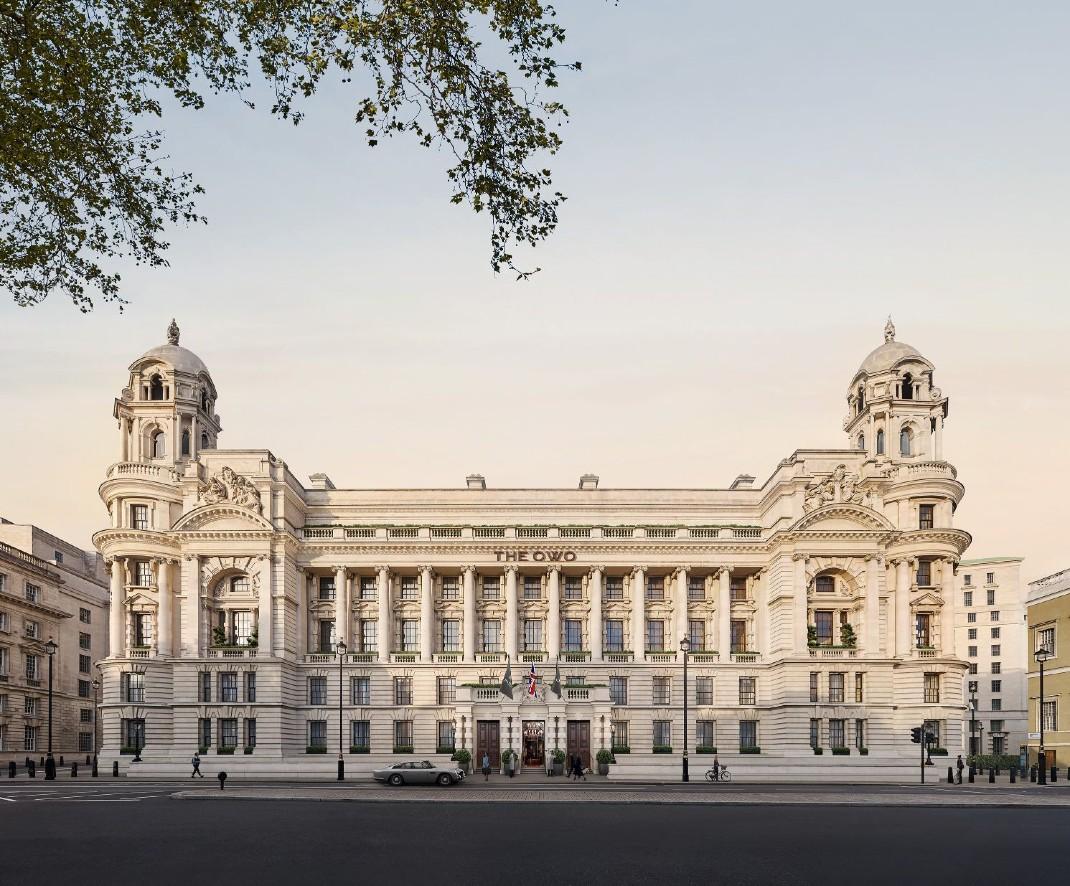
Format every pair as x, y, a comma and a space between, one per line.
196, 761
486, 766
960, 766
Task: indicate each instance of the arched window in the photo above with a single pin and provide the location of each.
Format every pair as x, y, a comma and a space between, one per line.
861, 441
159, 444
185, 442
204, 440
908, 387
880, 442
905, 437
861, 397
156, 388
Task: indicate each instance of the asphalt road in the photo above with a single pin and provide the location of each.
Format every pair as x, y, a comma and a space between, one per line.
157, 840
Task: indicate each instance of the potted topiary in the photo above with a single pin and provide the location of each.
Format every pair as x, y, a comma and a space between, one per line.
811, 636
558, 759
463, 757
604, 758
847, 636
819, 751
509, 762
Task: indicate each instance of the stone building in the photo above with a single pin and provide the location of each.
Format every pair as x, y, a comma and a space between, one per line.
49, 590
819, 606
1049, 627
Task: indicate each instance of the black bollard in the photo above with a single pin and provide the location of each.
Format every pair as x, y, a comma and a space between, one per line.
61, 759
1014, 772
88, 759
222, 778
42, 763
971, 775
74, 770
1033, 774
991, 776
115, 769
950, 775
95, 773
997, 770
31, 770
11, 769
1054, 772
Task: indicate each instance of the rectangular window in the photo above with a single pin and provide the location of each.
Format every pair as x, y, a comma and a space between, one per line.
3, 619
447, 690
971, 617
922, 630
139, 516
662, 733
403, 690
932, 729
228, 732
706, 733
655, 635
369, 587
815, 732
836, 688
85, 616
33, 593
492, 587
1045, 639
824, 584
995, 633
860, 681
860, 734
84, 664
29, 706
967, 597
205, 689
704, 690
618, 690
662, 690
995, 650
446, 738
837, 734
369, 636
967, 580
748, 734
533, 634
996, 667
738, 634
326, 635
410, 587
133, 733
737, 589
142, 573
250, 686
31, 629
317, 690
32, 666
451, 635
619, 729
29, 738
932, 688
993, 615
451, 587
823, 623
360, 690
204, 731
696, 634
747, 691
142, 629
402, 736
492, 635
815, 689
971, 651
997, 704
317, 733
973, 667
573, 587
971, 634
532, 587
614, 587
990, 578
991, 597
1050, 717
997, 685
360, 734
228, 687
85, 742
85, 715
326, 587
241, 627
132, 687
573, 639
85, 689
250, 732
3, 661
614, 636
410, 635
925, 516
655, 588
996, 726
696, 587
923, 576
84, 641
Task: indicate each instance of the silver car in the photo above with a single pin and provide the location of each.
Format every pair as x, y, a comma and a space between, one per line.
422, 772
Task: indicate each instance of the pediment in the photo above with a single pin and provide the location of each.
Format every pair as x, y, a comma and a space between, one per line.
841, 517
139, 598
928, 598
221, 517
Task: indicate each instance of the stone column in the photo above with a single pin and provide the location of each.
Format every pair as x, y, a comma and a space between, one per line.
679, 606
303, 581
872, 638
117, 615
341, 605
553, 621
194, 437
801, 616
386, 620
724, 614
594, 588
939, 453
164, 611
947, 611
469, 613
139, 441
638, 591
902, 607
427, 614
510, 611
124, 441
265, 631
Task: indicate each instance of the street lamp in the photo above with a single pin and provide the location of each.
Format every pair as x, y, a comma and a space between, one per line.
50, 764
96, 719
973, 716
685, 648
341, 647
1041, 655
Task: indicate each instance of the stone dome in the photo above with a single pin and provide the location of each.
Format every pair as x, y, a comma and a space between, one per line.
181, 359
887, 355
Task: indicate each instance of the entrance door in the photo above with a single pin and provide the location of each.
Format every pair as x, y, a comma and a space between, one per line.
579, 740
534, 743
488, 740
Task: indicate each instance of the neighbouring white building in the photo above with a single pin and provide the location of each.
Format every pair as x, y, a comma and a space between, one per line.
990, 635
820, 605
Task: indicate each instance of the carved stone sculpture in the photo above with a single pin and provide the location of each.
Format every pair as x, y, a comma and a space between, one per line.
232, 487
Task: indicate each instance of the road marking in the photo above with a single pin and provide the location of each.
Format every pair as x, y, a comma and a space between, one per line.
9, 799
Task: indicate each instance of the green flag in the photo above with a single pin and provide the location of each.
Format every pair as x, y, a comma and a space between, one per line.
556, 685
507, 680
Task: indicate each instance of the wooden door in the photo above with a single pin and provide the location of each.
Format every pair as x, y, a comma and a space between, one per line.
488, 741
579, 740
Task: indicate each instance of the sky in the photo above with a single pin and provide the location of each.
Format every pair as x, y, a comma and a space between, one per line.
752, 189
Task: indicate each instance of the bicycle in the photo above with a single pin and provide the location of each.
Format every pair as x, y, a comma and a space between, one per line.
722, 775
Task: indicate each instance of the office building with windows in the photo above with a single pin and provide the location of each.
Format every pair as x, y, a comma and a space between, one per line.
50, 590
257, 615
1048, 615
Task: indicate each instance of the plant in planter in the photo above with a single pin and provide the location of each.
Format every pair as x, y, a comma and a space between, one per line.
847, 636
463, 758
248, 749
219, 636
130, 750
359, 749
705, 749
811, 636
841, 752
403, 749
819, 751
202, 750
662, 749
753, 749
446, 749
509, 762
938, 752
227, 750
558, 761
621, 749
316, 749
604, 758
254, 639
864, 751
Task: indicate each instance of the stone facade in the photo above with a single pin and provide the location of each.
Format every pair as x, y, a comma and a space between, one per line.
1049, 626
49, 590
820, 606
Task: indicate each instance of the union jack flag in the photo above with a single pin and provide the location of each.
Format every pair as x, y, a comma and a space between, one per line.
533, 689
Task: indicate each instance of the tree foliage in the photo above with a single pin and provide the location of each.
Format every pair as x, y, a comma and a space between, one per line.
85, 183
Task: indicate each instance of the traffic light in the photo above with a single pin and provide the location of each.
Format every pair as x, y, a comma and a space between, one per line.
915, 735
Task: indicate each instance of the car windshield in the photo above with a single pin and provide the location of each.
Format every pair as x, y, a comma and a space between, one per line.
427, 765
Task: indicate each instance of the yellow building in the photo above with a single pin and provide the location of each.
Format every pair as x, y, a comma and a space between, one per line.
1049, 627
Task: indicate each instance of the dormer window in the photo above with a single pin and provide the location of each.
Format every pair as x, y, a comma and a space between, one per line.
204, 401
861, 397
905, 440
880, 442
862, 441
908, 387
825, 584
204, 440
156, 388
159, 444
185, 442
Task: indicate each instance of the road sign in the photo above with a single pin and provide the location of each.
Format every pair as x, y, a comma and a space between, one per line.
1035, 735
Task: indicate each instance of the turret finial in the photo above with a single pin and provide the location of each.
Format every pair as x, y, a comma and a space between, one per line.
889, 330
172, 333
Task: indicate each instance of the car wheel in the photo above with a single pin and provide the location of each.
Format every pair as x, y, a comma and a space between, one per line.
395, 780
445, 780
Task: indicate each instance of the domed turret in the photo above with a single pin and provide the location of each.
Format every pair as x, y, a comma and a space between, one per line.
166, 413
896, 411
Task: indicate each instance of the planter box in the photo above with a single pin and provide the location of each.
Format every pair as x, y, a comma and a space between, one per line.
557, 768
224, 750
443, 749
662, 749
938, 752
403, 749
620, 749
705, 749
753, 750
312, 750
202, 750
819, 751
603, 769
864, 752
249, 750
841, 752
356, 749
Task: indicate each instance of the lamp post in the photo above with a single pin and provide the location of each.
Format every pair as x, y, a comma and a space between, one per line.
973, 716
50, 764
1041, 655
341, 647
685, 648
96, 719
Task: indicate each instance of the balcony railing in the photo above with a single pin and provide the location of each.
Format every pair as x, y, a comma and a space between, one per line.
140, 653
404, 657
619, 657
577, 694
532, 532
445, 532
576, 656
488, 532
447, 657
704, 657
361, 657
403, 532
925, 652
532, 656
832, 652
618, 531
214, 652
490, 657
319, 657
575, 531
662, 656
488, 693
360, 532
746, 657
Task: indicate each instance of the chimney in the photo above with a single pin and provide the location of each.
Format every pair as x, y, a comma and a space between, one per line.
589, 481
743, 481
320, 481
476, 481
